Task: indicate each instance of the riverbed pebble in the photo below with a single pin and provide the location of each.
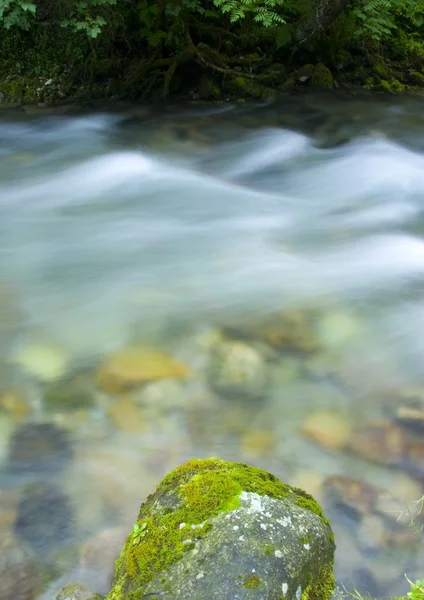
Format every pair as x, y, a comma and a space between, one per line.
128, 367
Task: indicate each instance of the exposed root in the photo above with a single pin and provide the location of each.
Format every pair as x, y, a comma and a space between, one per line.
204, 56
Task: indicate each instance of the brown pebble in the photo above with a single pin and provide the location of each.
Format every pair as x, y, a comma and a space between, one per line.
381, 442
351, 493
328, 429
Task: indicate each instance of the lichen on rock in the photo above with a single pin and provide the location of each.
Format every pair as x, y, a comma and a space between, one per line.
215, 530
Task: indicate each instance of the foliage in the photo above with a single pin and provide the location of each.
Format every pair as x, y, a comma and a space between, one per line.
265, 12
417, 590
16, 13
153, 39
138, 531
82, 17
379, 19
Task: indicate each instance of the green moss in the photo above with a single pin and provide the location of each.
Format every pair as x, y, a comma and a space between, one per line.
177, 515
252, 88
288, 85
381, 70
12, 90
252, 581
307, 589
416, 78
307, 502
342, 58
306, 539
269, 549
323, 585
393, 86
322, 78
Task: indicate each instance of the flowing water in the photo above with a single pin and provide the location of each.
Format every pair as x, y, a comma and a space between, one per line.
289, 236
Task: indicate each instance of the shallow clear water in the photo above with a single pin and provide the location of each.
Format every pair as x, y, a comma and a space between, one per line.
171, 228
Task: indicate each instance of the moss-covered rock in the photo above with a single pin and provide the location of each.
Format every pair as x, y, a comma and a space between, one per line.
393, 86
305, 72
381, 70
322, 78
342, 59
252, 88
288, 85
416, 78
216, 530
11, 91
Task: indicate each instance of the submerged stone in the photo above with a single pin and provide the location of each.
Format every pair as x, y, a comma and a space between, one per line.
127, 368
235, 368
14, 403
19, 572
328, 429
290, 330
77, 592
379, 442
44, 518
39, 447
45, 361
410, 412
70, 393
215, 530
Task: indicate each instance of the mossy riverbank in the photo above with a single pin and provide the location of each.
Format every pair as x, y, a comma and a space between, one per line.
44, 68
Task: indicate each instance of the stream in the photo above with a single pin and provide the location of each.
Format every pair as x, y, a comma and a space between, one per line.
267, 262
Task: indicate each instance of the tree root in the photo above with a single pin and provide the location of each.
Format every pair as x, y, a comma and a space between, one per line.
204, 56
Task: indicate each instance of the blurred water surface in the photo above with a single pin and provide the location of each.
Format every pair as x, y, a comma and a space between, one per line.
172, 226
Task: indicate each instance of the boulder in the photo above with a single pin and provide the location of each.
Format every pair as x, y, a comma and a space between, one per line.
215, 530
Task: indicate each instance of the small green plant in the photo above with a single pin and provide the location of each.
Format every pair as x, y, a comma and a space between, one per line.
138, 532
417, 589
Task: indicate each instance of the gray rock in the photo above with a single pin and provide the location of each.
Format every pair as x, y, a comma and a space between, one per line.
262, 539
